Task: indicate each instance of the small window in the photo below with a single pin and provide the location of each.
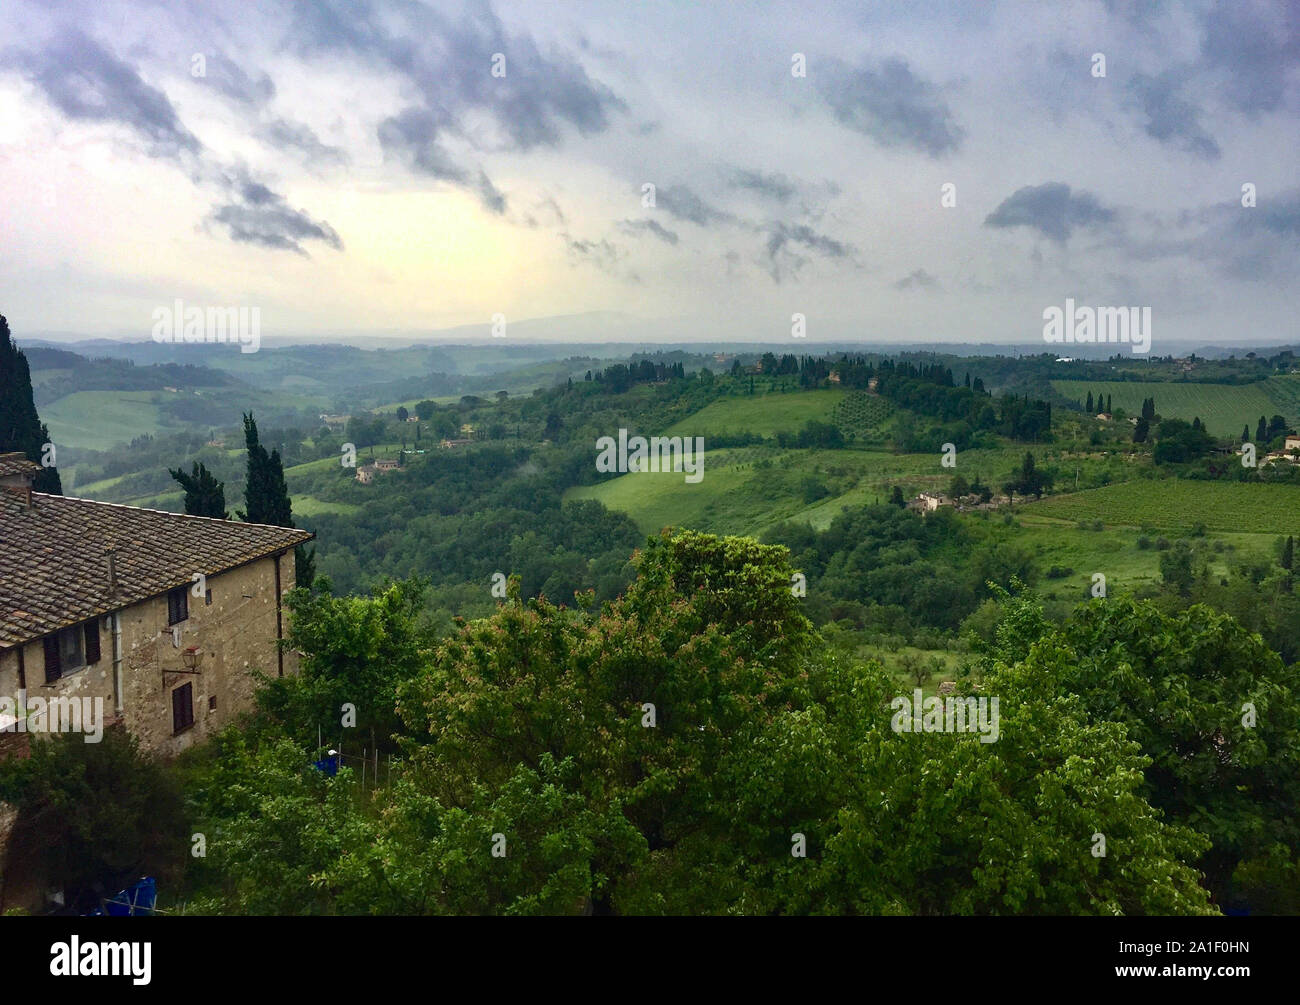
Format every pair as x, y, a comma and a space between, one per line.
178, 605
212, 703
182, 708
70, 649
207, 598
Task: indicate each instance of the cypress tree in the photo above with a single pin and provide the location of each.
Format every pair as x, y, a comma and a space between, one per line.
1088, 407
204, 495
1245, 433
21, 428
1288, 554
1261, 432
266, 498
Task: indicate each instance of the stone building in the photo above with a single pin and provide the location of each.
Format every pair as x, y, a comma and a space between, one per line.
159, 614
155, 618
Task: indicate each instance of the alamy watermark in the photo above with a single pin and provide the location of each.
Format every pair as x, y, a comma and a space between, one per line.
52, 715
658, 453
240, 326
953, 714
1090, 325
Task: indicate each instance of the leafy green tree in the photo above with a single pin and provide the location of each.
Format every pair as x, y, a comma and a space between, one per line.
102, 814
1176, 569
204, 495
357, 650
1213, 710
21, 428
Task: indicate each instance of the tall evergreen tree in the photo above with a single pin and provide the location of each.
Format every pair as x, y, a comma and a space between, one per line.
204, 495
21, 428
1141, 430
1109, 410
1245, 433
1088, 407
266, 498
1261, 432
1288, 554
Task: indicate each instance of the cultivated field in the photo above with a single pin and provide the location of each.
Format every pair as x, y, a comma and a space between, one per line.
1224, 408
1178, 505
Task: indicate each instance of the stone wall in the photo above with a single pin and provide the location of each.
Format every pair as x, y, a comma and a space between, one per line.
236, 633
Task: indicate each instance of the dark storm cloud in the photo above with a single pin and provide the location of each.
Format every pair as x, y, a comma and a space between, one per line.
786, 241
299, 139
1051, 209
229, 78
414, 137
449, 62
257, 215
1253, 49
602, 254
891, 104
683, 204
87, 83
1170, 116
637, 227
773, 186
918, 279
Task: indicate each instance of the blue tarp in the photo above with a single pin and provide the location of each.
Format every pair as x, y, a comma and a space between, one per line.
329, 765
137, 899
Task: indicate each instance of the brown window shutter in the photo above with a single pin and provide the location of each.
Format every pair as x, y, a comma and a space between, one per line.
52, 669
92, 641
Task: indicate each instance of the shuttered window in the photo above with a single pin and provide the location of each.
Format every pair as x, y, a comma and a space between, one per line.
52, 669
92, 641
182, 708
71, 649
178, 605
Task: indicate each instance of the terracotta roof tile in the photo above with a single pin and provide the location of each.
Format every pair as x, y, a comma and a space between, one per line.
54, 565
16, 464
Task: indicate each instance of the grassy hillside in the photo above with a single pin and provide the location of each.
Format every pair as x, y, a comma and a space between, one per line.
1175, 505
745, 491
763, 414
97, 420
1224, 408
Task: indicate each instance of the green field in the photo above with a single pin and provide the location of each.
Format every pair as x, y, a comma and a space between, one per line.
745, 491
764, 414
98, 420
1224, 408
1178, 505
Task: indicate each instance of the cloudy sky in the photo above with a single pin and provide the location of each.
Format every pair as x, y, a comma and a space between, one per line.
395, 165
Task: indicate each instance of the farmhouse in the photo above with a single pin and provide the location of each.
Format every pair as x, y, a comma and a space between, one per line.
928, 502
160, 615
366, 472
1291, 443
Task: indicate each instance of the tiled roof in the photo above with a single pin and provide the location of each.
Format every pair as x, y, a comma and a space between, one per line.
16, 464
54, 565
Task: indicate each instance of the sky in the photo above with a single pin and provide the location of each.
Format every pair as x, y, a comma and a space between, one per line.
373, 166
